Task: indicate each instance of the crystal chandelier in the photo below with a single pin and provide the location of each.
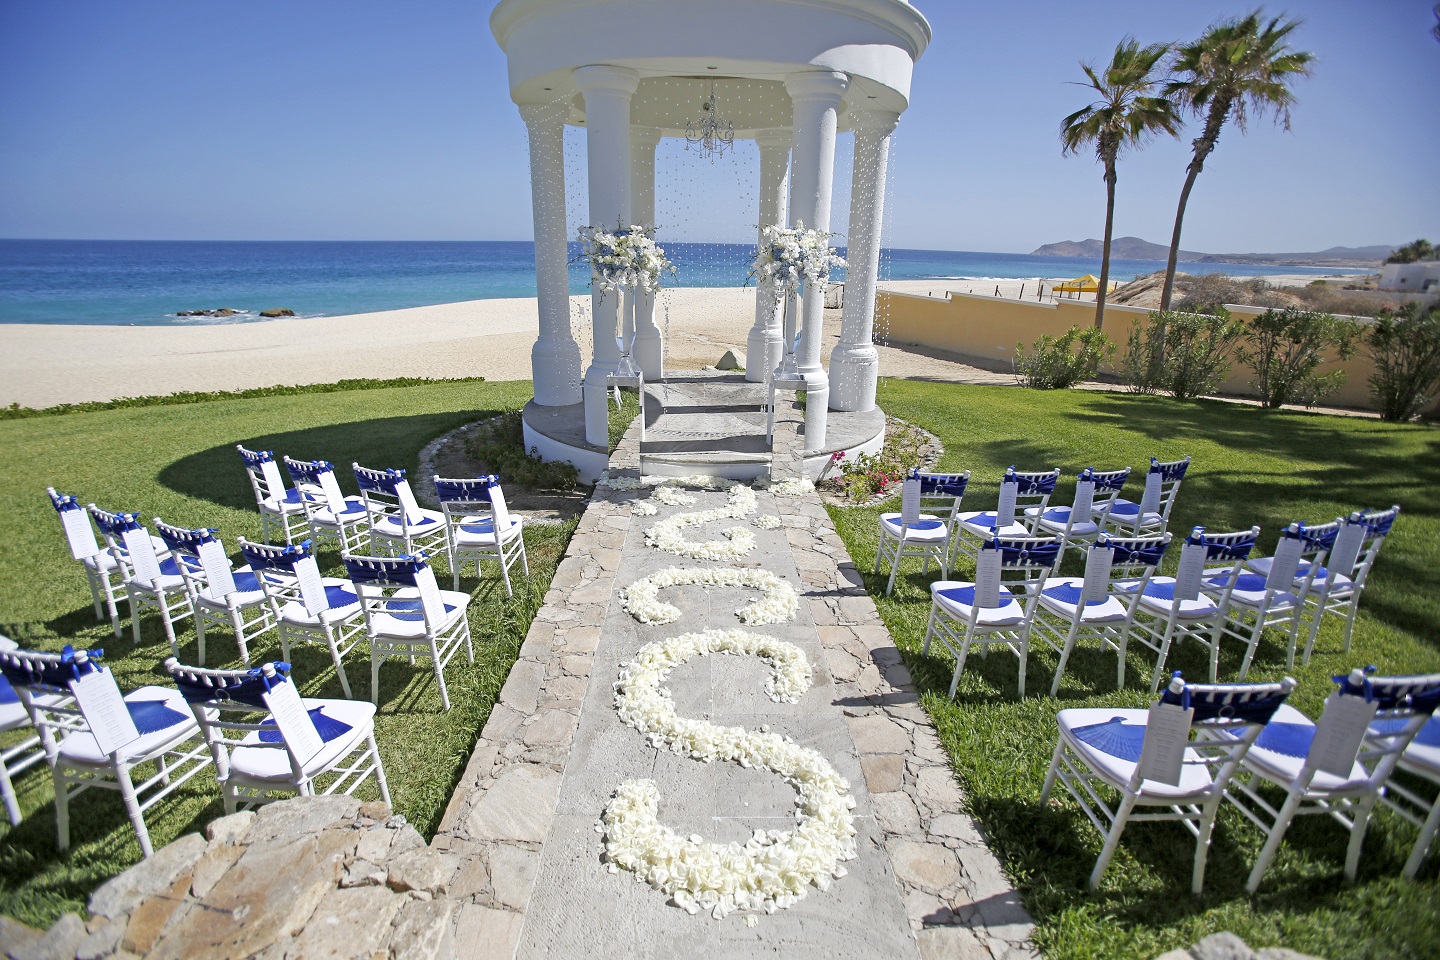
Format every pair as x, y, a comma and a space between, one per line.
711, 135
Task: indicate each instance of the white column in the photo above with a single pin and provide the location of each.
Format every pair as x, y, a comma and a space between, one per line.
854, 363
816, 101
555, 358
649, 350
607, 91
763, 347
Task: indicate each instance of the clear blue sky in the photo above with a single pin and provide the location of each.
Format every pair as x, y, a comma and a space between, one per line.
172, 119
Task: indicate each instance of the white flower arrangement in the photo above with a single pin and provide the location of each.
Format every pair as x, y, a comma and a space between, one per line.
699, 481
627, 257
766, 521
777, 605
791, 256
672, 496
644, 508
773, 868
668, 534
789, 487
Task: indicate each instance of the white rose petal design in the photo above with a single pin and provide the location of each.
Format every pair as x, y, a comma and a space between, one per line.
668, 534
779, 603
773, 868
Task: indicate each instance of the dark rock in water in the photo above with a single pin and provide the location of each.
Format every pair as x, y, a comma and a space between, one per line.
278, 312
222, 312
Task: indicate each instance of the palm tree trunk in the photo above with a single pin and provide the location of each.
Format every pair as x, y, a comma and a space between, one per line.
1105, 252
1169, 290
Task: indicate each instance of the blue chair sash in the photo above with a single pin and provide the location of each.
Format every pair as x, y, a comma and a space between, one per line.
248, 689
152, 716
1114, 737
48, 672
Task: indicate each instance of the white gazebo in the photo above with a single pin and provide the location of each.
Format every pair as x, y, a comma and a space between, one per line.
791, 74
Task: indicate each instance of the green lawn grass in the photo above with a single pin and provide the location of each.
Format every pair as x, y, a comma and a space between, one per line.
1251, 466
179, 463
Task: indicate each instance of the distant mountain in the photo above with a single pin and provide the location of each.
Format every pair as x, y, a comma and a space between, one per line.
1133, 248
1333, 257
1121, 248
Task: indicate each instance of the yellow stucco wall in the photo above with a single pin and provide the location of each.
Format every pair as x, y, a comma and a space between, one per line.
987, 328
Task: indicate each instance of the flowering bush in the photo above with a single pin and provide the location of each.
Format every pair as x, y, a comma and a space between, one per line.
773, 868
627, 257
868, 475
791, 256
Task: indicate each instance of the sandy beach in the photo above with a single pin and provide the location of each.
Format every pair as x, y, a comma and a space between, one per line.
42, 365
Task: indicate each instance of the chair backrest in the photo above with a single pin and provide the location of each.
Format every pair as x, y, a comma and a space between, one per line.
320, 475
1162, 485
388, 493
220, 698
1033, 487
941, 493
67, 693
264, 474
202, 559
79, 534
459, 498
376, 578
1206, 554
1403, 704
1108, 484
1376, 524
288, 573
1236, 711
1129, 560
1025, 562
129, 544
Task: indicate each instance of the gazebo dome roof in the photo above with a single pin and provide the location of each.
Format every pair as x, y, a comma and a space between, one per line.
747, 47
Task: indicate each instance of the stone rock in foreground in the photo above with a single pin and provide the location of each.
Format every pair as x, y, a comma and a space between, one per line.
731, 361
277, 312
1227, 946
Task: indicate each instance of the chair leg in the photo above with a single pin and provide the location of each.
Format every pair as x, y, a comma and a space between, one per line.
90, 576
1160, 658
62, 809
1360, 823
1053, 771
960, 660
1254, 644
1202, 844
376, 656
335, 657
132, 807
524, 560
1423, 842
1272, 842
135, 620
1350, 620
1314, 630
1065, 657
1112, 840
379, 769
929, 630
7, 793
439, 675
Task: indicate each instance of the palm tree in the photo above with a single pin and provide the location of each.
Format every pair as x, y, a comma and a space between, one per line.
1124, 116
1414, 252
1239, 66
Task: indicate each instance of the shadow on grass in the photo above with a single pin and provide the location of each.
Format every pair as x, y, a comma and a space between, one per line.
217, 475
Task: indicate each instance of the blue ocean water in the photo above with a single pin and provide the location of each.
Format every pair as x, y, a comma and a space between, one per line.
148, 282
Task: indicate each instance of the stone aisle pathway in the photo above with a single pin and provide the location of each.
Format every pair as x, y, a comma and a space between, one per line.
521, 826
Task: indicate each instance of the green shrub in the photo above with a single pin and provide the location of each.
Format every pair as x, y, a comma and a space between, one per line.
1060, 363
1284, 347
502, 450
1405, 347
1186, 355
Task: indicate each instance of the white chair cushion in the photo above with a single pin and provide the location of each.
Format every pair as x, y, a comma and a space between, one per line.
480, 531
355, 510
1249, 590
344, 604
928, 529
1128, 513
1274, 754
427, 522
248, 593
1423, 754
82, 750
1111, 748
1159, 597
411, 623
1261, 565
1058, 518
102, 562
273, 763
982, 524
292, 502
1061, 596
957, 597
